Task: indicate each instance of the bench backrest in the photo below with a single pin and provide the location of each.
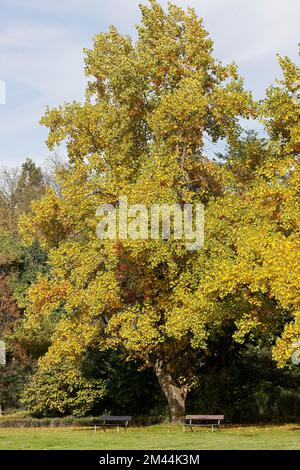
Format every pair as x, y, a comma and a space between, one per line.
208, 417
116, 418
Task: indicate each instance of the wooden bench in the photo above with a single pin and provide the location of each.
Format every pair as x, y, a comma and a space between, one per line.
204, 420
119, 421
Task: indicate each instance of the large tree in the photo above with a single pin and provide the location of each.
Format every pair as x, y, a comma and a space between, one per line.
150, 105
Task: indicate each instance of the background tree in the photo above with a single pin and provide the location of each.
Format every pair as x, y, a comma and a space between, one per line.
8, 184
18, 269
18, 188
13, 373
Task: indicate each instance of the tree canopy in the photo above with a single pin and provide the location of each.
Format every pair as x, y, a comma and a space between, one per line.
150, 105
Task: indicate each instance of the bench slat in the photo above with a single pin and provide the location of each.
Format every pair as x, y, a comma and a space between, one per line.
207, 417
115, 418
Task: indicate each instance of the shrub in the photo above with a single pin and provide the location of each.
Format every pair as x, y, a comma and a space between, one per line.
62, 391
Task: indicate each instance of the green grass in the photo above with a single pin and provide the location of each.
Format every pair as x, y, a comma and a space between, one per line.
161, 437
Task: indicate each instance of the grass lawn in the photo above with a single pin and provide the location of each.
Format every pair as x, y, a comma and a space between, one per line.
161, 437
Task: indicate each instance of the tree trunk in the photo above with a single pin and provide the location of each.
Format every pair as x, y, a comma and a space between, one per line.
175, 395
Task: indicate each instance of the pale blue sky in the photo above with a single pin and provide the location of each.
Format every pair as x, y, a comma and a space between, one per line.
41, 59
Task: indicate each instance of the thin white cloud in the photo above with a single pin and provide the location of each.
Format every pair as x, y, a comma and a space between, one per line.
248, 29
44, 66
120, 10
47, 59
